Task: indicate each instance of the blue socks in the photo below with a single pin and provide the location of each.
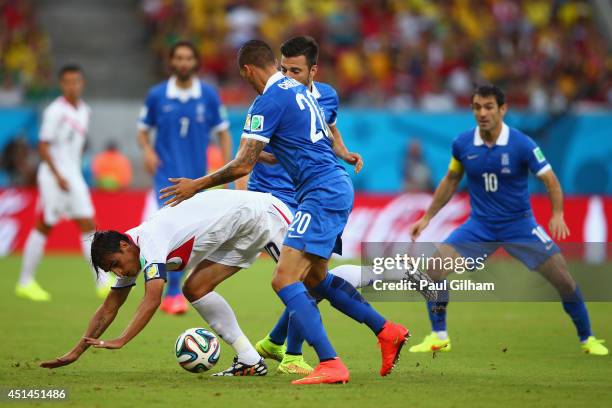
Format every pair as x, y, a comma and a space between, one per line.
279, 332
575, 307
437, 311
174, 283
344, 297
304, 312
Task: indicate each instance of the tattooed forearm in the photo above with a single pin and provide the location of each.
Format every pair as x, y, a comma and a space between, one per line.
239, 167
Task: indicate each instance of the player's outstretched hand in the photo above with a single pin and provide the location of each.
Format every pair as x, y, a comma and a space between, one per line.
558, 228
182, 189
418, 227
354, 159
64, 360
108, 344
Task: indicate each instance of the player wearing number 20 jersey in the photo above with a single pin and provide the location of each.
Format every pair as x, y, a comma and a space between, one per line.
272, 178
324, 192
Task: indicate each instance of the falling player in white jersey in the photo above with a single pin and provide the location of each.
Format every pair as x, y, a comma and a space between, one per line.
62, 189
213, 235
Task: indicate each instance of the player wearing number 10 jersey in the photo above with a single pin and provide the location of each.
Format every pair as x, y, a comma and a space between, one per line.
497, 160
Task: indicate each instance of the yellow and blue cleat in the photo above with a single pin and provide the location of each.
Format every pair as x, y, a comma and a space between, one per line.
267, 349
294, 364
32, 291
595, 347
431, 343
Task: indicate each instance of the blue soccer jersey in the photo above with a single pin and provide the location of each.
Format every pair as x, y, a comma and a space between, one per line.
288, 117
274, 179
497, 185
497, 175
183, 120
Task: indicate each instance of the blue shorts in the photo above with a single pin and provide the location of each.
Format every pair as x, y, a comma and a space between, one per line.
320, 219
524, 239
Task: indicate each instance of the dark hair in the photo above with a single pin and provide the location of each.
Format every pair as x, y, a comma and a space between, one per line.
69, 68
302, 45
256, 52
105, 243
186, 44
489, 90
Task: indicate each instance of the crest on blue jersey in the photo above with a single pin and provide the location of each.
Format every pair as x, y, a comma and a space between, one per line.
505, 159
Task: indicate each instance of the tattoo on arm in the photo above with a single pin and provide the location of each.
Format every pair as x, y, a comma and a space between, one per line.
241, 165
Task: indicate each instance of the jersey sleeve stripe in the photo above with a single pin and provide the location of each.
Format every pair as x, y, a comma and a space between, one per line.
544, 169
142, 126
256, 137
221, 127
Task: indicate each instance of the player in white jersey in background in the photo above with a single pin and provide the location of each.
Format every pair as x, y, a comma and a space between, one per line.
214, 235
63, 192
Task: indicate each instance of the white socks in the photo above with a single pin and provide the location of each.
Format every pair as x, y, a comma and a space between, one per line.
442, 335
219, 315
86, 239
351, 274
32, 254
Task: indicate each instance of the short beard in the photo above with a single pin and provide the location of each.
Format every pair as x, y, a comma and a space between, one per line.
184, 77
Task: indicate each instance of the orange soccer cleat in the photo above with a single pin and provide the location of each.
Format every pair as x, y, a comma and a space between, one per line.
391, 339
327, 372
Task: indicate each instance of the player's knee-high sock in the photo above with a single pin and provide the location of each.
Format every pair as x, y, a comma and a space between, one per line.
174, 283
437, 311
219, 315
279, 332
32, 254
86, 239
575, 307
346, 299
303, 310
351, 274
295, 339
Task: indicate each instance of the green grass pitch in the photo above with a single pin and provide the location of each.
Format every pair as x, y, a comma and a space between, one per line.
507, 354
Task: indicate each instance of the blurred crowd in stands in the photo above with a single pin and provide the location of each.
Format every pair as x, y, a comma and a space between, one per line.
547, 54
25, 63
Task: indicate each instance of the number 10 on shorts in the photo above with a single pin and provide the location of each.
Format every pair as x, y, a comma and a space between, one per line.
300, 223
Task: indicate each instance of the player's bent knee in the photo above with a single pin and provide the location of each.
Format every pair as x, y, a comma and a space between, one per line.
194, 292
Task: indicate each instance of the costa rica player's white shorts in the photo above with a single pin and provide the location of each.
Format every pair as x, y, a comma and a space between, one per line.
55, 204
245, 238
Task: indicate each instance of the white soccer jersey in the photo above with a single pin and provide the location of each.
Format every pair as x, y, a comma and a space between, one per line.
65, 128
230, 227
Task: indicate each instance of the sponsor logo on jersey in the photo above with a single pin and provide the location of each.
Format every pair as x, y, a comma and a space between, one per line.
167, 108
247, 122
257, 123
537, 152
506, 170
472, 156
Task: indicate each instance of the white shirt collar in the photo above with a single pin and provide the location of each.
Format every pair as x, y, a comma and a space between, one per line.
502, 140
272, 80
315, 92
174, 92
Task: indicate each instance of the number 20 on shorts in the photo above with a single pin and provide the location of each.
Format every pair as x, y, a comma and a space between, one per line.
300, 223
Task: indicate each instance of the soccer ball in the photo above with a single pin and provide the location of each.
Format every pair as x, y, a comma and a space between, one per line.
197, 350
